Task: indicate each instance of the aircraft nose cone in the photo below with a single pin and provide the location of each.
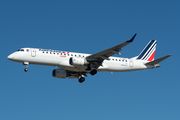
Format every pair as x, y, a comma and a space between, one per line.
10, 57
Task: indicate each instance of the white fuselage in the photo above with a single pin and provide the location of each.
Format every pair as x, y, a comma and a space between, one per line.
78, 65
61, 60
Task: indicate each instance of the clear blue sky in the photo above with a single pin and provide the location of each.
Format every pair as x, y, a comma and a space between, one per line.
89, 27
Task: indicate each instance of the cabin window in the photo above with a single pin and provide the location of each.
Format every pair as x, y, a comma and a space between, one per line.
71, 54
47, 52
27, 50
57, 53
20, 50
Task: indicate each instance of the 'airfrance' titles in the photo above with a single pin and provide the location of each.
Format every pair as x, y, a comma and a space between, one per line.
55, 51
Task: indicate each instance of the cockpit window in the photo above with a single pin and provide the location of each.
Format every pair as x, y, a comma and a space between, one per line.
20, 50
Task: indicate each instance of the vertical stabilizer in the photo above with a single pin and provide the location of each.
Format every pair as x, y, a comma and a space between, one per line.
148, 52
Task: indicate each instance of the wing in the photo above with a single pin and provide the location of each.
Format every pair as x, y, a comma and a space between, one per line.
101, 56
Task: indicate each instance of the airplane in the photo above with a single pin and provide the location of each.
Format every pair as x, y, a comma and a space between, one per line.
78, 65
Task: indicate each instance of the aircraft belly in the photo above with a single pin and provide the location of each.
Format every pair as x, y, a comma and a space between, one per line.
75, 69
121, 66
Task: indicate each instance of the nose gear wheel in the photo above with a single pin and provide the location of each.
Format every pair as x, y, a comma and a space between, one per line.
26, 64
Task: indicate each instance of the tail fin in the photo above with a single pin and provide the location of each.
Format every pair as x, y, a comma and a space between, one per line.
148, 52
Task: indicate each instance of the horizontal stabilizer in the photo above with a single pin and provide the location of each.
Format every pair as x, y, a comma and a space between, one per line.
158, 60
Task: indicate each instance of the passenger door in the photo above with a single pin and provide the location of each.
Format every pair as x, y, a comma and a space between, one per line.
33, 52
130, 62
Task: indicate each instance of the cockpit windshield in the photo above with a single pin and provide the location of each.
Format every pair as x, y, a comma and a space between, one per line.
20, 50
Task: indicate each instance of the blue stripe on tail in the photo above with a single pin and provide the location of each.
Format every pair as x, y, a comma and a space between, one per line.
147, 50
153, 47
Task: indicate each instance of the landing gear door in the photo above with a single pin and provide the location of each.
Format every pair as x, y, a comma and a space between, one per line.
33, 52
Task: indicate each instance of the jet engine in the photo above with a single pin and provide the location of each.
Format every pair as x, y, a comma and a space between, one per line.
59, 73
78, 61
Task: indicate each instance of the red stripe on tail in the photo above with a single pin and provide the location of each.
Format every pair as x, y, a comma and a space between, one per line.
151, 57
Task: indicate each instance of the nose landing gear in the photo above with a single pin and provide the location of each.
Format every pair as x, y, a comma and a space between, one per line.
26, 69
26, 64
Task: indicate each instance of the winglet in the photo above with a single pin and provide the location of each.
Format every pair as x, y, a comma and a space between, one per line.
132, 38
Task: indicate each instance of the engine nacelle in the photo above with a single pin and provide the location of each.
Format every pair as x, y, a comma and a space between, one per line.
78, 61
59, 73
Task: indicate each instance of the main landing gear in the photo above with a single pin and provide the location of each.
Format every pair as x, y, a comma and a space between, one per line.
26, 64
81, 79
93, 72
92, 69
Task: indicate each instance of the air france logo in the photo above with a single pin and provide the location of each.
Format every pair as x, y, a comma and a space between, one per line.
62, 53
